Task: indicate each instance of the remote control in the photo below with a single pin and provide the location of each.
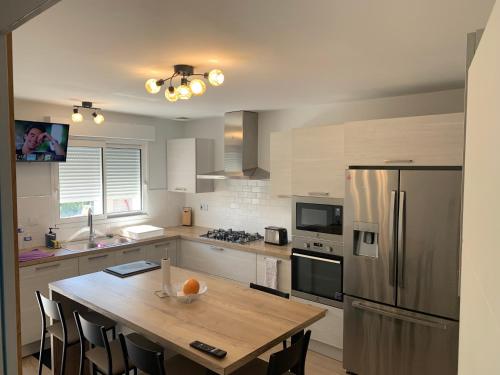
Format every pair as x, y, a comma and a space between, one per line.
219, 353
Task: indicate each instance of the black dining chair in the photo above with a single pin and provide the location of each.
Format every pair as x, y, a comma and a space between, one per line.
291, 360
278, 293
148, 357
104, 356
65, 331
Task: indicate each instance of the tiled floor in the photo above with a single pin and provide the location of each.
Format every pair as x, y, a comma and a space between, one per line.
316, 365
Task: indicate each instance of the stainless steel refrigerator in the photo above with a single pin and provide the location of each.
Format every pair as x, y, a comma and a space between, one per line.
401, 271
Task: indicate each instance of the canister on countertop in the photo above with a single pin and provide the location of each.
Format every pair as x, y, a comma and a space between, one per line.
187, 216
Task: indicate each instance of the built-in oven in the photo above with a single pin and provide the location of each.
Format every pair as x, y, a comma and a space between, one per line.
318, 218
317, 267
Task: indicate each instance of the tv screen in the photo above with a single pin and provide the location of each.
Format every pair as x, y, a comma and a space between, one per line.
41, 141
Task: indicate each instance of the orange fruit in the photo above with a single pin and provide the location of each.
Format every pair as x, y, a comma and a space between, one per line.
191, 286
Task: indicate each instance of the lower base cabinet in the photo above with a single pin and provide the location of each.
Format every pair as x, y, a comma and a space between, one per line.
34, 278
157, 252
284, 272
219, 261
330, 329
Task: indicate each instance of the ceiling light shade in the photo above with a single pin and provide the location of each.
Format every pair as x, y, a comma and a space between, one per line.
171, 94
76, 116
184, 92
216, 77
198, 87
98, 118
152, 86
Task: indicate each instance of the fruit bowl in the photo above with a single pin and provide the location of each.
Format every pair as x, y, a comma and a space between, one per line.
174, 290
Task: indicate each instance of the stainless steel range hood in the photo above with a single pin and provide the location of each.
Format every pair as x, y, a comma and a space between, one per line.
240, 149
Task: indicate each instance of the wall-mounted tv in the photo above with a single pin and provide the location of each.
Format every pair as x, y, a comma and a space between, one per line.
41, 141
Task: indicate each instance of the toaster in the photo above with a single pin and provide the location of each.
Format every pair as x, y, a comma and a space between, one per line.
276, 236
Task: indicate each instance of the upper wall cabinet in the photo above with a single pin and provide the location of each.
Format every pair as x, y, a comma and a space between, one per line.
436, 140
281, 163
186, 158
318, 161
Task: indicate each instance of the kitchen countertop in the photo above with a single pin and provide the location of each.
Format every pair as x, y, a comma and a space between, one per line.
172, 233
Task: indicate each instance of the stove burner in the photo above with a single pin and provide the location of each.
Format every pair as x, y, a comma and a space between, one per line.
235, 236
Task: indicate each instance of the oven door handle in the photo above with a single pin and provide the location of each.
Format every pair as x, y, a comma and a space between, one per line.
316, 258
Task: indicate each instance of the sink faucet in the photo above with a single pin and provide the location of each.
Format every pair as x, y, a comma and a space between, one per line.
90, 223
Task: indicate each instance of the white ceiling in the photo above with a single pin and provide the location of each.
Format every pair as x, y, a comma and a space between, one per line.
275, 53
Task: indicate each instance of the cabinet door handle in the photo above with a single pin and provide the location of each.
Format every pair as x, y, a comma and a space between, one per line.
98, 256
131, 250
163, 245
180, 189
319, 193
40, 268
398, 161
217, 248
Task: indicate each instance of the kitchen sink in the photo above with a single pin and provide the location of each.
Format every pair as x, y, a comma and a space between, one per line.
100, 243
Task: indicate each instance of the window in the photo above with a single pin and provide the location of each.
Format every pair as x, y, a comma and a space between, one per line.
80, 182
123, 180
106, 179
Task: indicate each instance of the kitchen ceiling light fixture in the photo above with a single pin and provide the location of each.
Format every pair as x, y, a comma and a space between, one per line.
78, 117
188, 87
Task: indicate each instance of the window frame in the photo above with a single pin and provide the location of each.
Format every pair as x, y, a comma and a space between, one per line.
104, 217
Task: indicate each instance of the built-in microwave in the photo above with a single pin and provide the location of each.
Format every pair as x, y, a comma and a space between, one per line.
318, 218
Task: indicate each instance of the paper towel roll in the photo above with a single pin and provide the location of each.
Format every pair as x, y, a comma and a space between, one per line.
165, 272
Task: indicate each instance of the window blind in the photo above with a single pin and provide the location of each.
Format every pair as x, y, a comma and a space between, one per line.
123, 179
80, 178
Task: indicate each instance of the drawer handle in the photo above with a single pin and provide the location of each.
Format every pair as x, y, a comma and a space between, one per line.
399, 161
217, 248
163, 245
131, 251
319, 193
40, 268
98, 256
180, 189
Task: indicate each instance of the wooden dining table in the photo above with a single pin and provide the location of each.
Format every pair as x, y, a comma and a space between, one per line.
242, 321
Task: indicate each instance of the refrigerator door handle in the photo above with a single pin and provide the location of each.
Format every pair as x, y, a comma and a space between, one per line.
392, 228
403, 317
401, 239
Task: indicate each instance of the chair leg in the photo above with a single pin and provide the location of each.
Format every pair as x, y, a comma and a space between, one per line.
63, 359
94, 369
82, 357
42, 344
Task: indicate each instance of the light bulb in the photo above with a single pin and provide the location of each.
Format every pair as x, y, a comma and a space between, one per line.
76, 116
216, 77
184, 92
152, 87
171, 94
98, 118
197, 87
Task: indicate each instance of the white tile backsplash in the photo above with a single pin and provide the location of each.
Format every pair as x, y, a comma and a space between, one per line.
240, 205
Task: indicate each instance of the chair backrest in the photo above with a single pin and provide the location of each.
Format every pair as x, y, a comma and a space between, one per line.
52, 309
266, 289
147, 359
290, 359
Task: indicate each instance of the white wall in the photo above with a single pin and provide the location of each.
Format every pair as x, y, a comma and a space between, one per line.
37, 206
480, 297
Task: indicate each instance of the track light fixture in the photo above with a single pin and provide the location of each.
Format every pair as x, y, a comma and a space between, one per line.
78, 117
188, 87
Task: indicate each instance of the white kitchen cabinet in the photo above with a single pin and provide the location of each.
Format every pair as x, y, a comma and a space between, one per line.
130, 255
318, 161
436, 140
34, 278
281, 163
186, 158
157, 252
330, 329
97, 262
284, 273
219, 261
